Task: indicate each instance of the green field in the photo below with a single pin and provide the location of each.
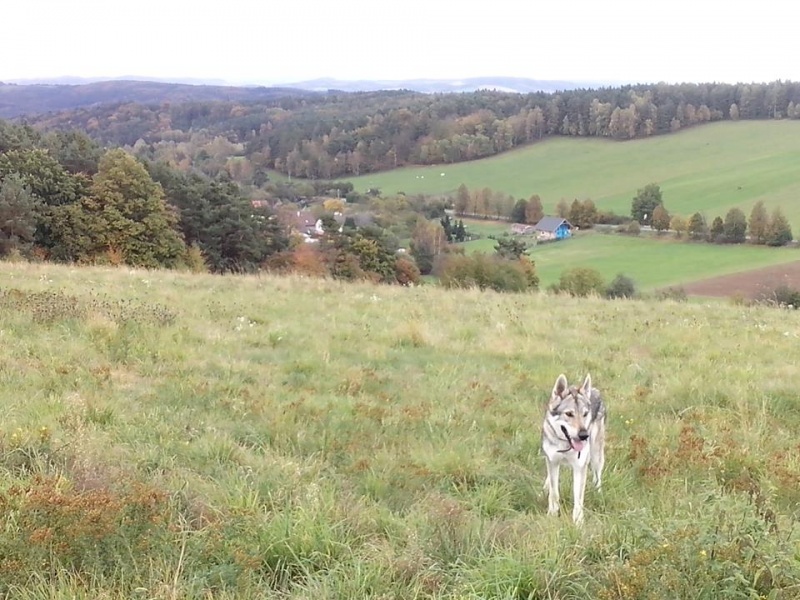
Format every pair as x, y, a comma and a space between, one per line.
168, 435
709, 168
651, 262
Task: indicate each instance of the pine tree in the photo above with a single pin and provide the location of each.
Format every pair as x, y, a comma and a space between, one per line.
717, 231
518, 214
735, 226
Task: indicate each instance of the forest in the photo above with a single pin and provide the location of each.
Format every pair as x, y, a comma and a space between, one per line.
334, 135
64, 198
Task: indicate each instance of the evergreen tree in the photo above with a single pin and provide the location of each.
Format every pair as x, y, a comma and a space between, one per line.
232, 234
735, 226
123, 216
518, 213
779, 233
697, 226
18, 216
510, 248
717, 231
448, 227
461, 231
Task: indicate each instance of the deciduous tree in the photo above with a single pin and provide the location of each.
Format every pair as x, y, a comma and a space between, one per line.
645, 202
661, 218
678, 224
462, 200
534, 212
758, 223
428, 240
562, 208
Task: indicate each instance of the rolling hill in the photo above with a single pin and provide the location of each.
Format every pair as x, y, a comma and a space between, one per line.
710, 169
32, 99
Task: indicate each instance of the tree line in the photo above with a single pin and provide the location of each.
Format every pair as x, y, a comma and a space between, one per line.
341, 134
485, 203
761, 228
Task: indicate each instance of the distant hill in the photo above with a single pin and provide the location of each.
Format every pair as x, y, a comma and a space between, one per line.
38, 96
32, 99
501, 84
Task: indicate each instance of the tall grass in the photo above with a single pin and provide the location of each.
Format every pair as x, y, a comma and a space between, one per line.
271, 437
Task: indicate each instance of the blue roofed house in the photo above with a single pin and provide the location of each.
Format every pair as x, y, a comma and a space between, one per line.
553, 228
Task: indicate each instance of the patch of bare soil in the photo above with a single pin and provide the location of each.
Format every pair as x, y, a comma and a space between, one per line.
749, 284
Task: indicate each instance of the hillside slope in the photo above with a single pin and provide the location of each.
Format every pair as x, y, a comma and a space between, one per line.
710, 168
260, 437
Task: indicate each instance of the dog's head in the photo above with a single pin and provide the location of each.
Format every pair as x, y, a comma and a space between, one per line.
569, 411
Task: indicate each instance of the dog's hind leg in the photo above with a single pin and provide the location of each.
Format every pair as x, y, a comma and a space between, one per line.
552, 488
598, 458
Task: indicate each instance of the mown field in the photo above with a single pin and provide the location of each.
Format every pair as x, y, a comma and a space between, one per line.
710, 168
170, 435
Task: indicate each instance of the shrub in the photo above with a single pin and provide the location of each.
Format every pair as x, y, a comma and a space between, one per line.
482, 271
580, 281
621, 287
677, 294
406, 271
194, 260
633, 228
784, 297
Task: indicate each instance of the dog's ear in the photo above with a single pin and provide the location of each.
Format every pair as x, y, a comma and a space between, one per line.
586, 388
560, 387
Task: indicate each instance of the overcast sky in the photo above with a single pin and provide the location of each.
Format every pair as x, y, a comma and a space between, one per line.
281, 41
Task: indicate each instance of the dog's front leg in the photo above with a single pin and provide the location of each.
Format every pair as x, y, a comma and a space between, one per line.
578, 487
552, 488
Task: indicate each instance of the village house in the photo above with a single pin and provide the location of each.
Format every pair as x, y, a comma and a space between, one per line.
553, 228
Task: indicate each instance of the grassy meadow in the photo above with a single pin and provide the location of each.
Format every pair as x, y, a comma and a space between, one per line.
709, 168
169, 435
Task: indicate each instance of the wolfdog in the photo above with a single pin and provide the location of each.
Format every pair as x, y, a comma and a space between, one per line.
573, 432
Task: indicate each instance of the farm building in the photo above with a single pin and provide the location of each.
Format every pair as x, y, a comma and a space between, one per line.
522, 229
553, 228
